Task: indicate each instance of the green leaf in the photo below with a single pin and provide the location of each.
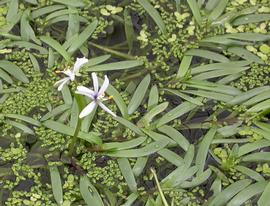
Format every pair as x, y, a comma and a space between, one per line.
5, 77
139, 94
74, 115
258, 98
197, 180
26, 30
265, 197
171, 157
174, 179
189, 156
210, 95
207, 54
159, 137
129, 125
56, 185
45, 10
126, 170
249, 147
55, 45
219, 66
124, 145
245, 54
144, 151
79, 41
153, 97
195, 10
130, 199
175, 113
257, 157
21, 126
56, 111
12, 10
34, 62
260, 106
23, 118
185, 97
89, 192
97, 60
148, 117
66, 95
115, 66
27, 45
219, 73
249, 172
184, 66
218, 10
206, 85
203, 149
247, 193
129, 30
139, 166
176, 136
13, 70
223, 197
154, 14
74, 3
91, 137
247, 95
252, 18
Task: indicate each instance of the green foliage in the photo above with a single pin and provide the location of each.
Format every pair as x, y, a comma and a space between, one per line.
189, 82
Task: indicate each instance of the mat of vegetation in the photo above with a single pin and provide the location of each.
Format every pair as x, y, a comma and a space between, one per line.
134, 102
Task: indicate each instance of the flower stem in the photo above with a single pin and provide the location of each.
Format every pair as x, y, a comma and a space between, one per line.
79, 100
116, 53
75, 137
159, 188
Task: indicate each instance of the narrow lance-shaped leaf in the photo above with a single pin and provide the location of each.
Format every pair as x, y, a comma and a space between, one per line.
141, 152
248, 193
139, 94
115, 66
154, 14
217, 11
55, 45
265, 197
126, 170
223, 197
89, 192
129, 30
184, 66
13, 70
203, 149
195, 10
56, 185
78, 42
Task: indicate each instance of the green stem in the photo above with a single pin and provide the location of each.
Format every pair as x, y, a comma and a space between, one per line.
116, 53
159, 188
75, 137
80, 103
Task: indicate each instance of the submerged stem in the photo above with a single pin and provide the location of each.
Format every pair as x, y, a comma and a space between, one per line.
116, 53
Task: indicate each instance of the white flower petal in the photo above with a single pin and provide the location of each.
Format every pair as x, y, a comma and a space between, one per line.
104, 86
88, 109
95, 81
79, 63
106, 109
61, 83
85, 90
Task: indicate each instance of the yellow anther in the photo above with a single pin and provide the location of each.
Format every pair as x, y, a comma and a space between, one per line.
110, 97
